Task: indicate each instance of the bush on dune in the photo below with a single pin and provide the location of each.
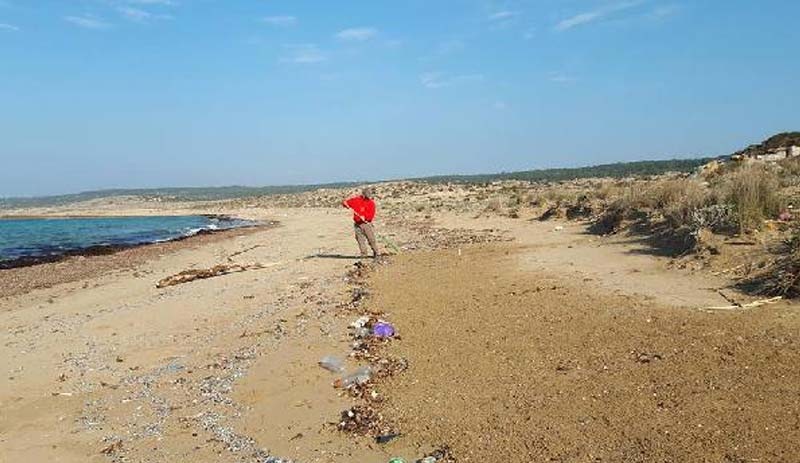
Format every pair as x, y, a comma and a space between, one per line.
782, 276
738, 201
753, 192
678, 199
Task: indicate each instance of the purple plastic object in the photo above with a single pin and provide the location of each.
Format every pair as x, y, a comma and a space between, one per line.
383, 330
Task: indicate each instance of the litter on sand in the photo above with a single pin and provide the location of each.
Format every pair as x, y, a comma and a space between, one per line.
356, 378
332, 364
386, 438
383, 330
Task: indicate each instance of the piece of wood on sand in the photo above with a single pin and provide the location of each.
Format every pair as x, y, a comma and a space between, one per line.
750, 305
218, 270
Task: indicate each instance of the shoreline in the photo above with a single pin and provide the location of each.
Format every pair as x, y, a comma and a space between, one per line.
121, 363
110, 249
105, 216
24, 279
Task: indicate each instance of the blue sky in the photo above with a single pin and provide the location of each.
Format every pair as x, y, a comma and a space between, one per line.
147, 93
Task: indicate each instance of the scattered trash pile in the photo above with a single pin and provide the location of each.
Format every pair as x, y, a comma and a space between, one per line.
442, 455
369, 333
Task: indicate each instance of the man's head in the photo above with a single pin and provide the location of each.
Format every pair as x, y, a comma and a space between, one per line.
367, 193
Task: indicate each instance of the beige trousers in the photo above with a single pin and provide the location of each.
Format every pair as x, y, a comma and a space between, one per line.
365, 233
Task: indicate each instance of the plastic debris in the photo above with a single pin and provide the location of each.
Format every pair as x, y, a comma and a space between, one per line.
397, 460
332, 364
386, 438
383, 330
356, 378
361, 322
360, 333
442, 455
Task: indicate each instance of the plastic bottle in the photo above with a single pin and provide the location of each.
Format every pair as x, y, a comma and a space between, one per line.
332, 364
360, 376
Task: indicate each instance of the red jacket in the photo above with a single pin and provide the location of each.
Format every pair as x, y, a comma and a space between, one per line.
363, 208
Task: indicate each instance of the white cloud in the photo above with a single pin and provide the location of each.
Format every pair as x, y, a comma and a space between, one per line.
357, 34
87, 22
663, 11
441, 79
139, 15
280, 20
529, 34
306, 53
135, 14
595, 15
8, 27
449, 46
577, 20
503, 15
561, 78
432, 80
152, 2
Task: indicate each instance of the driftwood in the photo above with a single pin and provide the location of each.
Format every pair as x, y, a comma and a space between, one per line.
750, 305
239, 253
199, 274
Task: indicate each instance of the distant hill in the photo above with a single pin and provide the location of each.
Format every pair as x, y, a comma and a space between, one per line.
771, 144
618, 170
166, 194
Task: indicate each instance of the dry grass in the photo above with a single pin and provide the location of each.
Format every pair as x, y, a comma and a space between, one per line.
494, 205
678, 199
782, 276
753, 191
674, 199
790, 168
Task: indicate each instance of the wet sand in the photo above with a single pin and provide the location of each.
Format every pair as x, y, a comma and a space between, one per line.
94, 263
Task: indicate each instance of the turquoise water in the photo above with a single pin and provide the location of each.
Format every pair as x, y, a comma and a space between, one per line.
48, 238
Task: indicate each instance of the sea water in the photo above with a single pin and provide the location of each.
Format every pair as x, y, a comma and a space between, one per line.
49, 237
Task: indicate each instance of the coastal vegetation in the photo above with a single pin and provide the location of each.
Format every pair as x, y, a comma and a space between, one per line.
617, 170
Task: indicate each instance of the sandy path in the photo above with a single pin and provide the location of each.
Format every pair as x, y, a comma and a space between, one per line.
618, 264
511, 364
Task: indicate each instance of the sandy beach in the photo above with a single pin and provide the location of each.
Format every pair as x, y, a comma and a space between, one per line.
523, 339
561, 231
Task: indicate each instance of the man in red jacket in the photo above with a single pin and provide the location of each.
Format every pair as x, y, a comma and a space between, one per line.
363, 208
